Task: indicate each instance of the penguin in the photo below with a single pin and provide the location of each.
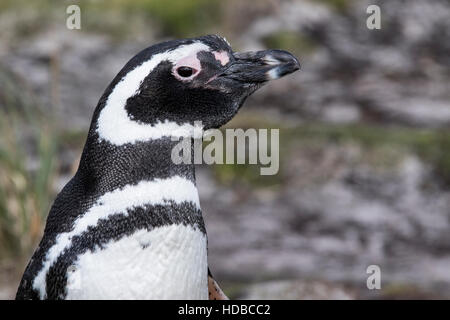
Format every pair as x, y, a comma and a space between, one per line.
128, 225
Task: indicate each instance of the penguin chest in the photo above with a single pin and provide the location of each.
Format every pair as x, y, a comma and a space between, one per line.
168, 262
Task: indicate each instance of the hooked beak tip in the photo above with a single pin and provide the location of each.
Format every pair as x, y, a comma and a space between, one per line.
283, 63
276, 57
261, 66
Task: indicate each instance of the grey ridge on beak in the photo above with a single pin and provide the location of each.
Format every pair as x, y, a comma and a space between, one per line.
261, 66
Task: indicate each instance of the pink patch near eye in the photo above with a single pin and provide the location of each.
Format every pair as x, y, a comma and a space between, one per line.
222, 56
189, 61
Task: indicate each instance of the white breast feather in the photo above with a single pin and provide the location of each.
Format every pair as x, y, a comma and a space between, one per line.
169, 262
154, 192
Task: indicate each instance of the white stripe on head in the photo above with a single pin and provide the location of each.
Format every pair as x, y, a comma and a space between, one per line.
155, 192
113, 123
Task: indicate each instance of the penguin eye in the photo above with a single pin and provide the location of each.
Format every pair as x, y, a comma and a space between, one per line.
186, 72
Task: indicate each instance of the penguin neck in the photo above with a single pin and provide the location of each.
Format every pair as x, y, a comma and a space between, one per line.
105, 166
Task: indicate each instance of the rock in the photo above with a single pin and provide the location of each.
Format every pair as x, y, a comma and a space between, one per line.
333, 218
296, 290
68, 71
400, 73
341, 114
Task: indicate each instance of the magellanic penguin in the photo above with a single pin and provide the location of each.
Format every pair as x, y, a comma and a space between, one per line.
128, 225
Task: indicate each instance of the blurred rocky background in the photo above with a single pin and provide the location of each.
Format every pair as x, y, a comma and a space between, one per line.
364, 138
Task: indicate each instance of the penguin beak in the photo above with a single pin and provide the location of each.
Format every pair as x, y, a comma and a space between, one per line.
261, 66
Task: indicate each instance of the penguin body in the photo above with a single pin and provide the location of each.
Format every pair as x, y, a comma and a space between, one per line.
128, 225
111, 271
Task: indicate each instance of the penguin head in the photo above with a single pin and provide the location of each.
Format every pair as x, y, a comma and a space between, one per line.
184, 81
